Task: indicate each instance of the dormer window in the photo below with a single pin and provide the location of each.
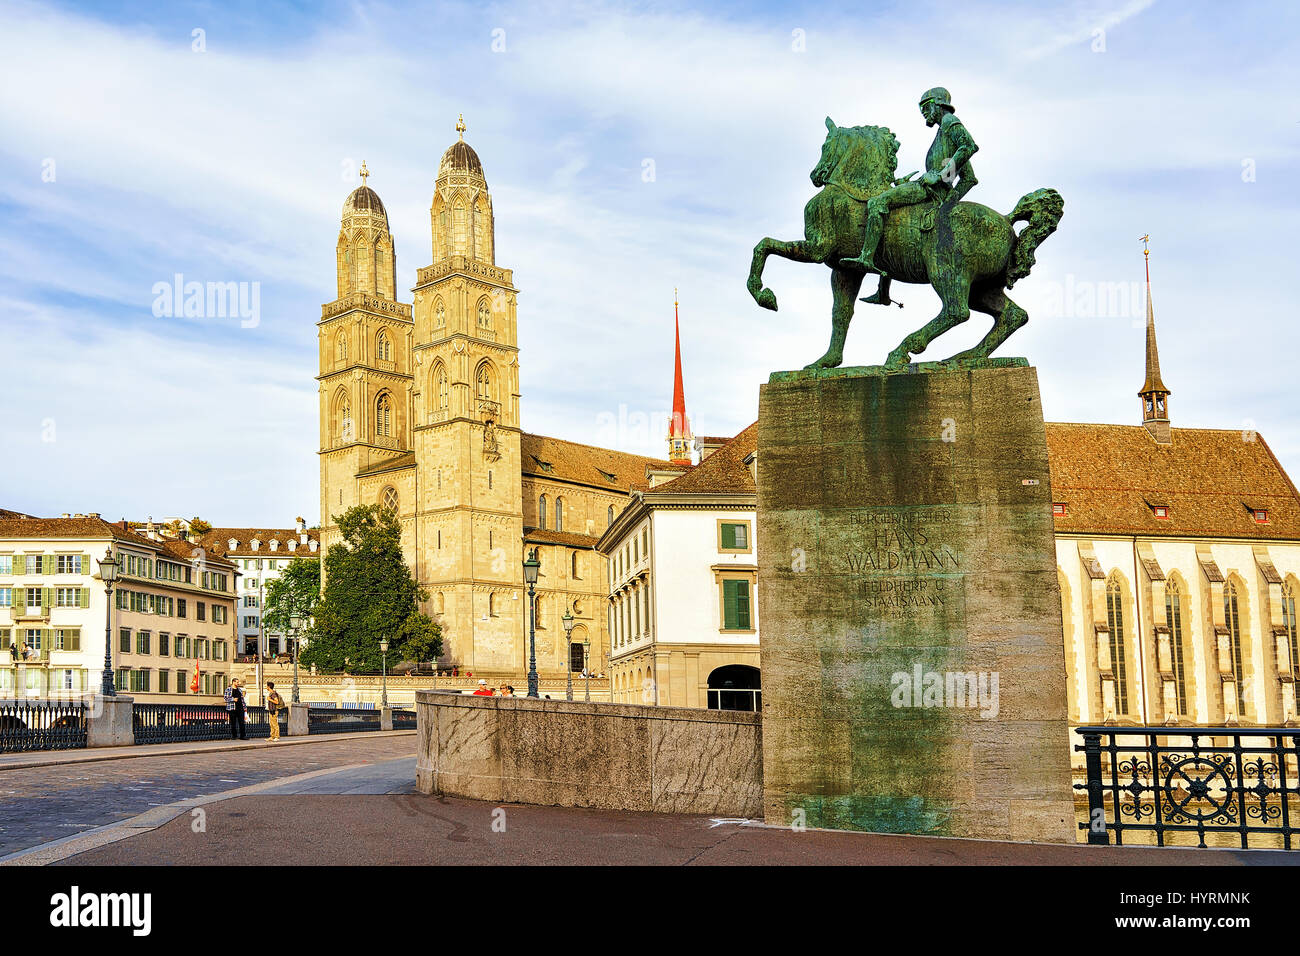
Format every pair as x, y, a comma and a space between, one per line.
1160, 511
312, 545
275, 545
1058, 508
1261, 516
293, 545
254, 544
234, 543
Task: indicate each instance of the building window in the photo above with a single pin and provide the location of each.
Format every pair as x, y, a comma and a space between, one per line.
1233, 621
1160, 511
541, 512
609, 516
577, 663
733, 536
1261, 516
384, 416
389, 499
441, 388
1174, 615
1118, 663
559, 514
341, 348
735, 605
574, 571
124, 640
439, 314
384, 348
735, 687
1058, 508
1289, 623
484, 380
484, 314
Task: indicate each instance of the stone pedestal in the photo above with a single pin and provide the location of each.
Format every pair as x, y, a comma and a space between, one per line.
298, 723
912, 653
110, 722
385, 718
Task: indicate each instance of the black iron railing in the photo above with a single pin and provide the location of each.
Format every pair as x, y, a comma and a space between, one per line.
1180, 782
341, 720
183, 723
42, 725
403, 719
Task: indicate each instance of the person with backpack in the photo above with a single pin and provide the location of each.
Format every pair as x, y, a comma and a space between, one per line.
274, 704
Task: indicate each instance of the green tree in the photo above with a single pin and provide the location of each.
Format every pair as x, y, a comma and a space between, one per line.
199, 526
370, 596
296, 589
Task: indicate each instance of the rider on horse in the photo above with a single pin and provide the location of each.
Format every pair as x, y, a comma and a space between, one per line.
947, 161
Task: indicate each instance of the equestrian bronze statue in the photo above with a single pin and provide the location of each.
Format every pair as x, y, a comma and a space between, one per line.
915, 230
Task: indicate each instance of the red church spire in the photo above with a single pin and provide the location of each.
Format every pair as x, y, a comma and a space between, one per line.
680, 438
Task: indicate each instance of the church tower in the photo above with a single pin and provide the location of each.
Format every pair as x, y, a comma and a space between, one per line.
466, 425
1154, 395
680, 439
365, 347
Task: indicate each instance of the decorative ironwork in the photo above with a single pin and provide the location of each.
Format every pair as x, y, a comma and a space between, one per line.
1179, 781
341, 720
41, 725
184, 723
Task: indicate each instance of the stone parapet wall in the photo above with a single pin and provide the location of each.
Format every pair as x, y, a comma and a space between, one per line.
574, 754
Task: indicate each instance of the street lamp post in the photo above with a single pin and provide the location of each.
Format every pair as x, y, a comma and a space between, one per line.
295, 621
531, 568
383, 647
108, 574
568, 663
586, 669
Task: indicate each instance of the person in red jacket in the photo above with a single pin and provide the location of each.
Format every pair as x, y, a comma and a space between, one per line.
483, 689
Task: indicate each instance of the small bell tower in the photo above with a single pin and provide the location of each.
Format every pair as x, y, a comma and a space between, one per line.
1154, 394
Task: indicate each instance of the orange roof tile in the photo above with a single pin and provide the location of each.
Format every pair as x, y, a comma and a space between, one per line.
555, 458
723, 472
1110, 477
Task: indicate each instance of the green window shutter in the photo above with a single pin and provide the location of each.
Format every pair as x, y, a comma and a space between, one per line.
85, 565
729, 536
48, 598
729, 610
74, 640
742, 605
85, 596
19, 565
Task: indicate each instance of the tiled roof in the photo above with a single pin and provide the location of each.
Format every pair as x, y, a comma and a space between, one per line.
1111, 477
184, 550
70, 528
6, 514
568, 538
562, 460
391, 464
218, 540
723, 472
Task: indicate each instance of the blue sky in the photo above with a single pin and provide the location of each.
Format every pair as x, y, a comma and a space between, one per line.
128, 156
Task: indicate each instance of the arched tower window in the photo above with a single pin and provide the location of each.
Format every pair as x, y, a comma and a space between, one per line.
384, 415
439, 314
559, 514
1231, 617
576, 569
484, 314
341, 348
388, 499
480, 232
460, 227
343, 428
383, 347
485, 386
441, 387
1174, 615
609, 516
1118, 663
541, 512
1289, 622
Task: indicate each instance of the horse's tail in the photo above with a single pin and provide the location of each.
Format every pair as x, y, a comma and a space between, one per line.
1042, 210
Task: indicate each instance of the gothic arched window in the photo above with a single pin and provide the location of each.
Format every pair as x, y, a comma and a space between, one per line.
609, 515
1289, 623
559, 514
384, 415
460, 227
576, 568
485, 388
343, 428
441, 387
341, 347
484, 314
1118, 663
388, 499
541, 512
439, 314
1174, 615
383, 347
1232, 619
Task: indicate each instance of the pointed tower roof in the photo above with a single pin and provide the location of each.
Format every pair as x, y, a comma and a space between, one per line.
1153, 381
679, 426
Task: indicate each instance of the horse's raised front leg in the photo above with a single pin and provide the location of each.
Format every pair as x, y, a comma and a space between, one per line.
844, 287
800, 250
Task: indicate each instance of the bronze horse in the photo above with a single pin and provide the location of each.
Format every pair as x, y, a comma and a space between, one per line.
968, 252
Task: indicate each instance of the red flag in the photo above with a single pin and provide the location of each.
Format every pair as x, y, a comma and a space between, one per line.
194, 684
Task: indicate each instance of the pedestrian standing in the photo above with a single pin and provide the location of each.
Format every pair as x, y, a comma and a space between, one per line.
235, 710
274, 704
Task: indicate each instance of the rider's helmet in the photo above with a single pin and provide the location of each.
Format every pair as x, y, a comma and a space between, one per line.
937, 95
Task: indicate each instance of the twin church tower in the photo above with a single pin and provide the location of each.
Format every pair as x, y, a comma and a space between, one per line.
419, 412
